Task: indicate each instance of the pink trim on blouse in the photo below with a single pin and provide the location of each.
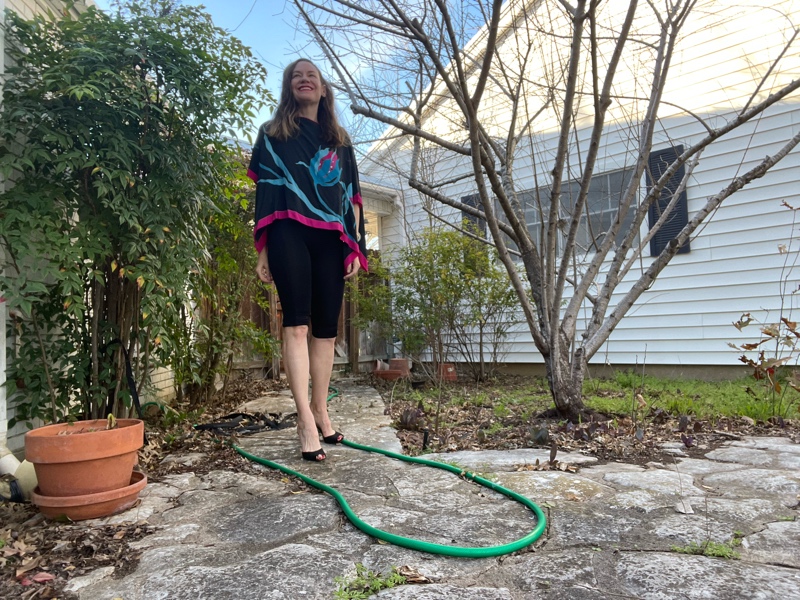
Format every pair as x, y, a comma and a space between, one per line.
261, 241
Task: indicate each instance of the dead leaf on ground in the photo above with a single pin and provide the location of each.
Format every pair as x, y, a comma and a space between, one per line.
40, 577
412, 575
28, 565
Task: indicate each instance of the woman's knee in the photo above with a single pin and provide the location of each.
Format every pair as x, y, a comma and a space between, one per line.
297, 333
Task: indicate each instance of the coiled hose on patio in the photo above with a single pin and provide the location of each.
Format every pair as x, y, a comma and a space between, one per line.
482, 552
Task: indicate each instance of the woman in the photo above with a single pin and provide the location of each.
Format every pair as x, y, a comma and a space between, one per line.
309, 235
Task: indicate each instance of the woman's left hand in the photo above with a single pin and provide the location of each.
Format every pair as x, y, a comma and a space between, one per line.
352, 268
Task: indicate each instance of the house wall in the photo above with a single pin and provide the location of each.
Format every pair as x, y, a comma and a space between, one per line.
162, 380
32, 8
735, 264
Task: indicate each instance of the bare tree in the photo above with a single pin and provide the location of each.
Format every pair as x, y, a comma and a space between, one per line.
522, 96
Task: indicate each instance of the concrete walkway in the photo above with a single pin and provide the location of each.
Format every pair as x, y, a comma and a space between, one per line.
612, 527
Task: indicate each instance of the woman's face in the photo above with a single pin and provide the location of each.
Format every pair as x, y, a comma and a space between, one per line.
307, 86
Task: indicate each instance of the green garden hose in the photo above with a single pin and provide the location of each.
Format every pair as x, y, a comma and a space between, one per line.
405, 542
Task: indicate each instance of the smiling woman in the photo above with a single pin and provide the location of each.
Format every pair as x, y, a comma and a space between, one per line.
309, 234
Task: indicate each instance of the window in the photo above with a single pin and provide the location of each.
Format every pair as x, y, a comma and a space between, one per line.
602, 205
372, 229
658, 163
471, 222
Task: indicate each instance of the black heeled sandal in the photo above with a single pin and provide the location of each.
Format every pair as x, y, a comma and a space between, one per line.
315, 456
334, 438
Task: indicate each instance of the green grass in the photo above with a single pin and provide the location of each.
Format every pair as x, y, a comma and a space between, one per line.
712, 549
701, 399
494, 428
614, 396
501, 410
365, 583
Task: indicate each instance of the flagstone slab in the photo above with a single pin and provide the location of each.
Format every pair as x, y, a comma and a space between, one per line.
577, 525
777, 544
662, 481
778, 444
481, 461
276, 403
757, 457
756, 483
699, 466
277, 521
659, 576
554, 486
443, 592
287, 573
684, 529
748, 512
641, 500
383, 558
560, 575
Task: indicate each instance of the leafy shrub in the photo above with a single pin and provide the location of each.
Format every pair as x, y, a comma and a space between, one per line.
445, 296
115, 134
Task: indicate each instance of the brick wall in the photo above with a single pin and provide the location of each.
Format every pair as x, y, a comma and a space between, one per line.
161, 380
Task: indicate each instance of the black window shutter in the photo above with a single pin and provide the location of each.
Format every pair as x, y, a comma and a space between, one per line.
474, 200
659, 162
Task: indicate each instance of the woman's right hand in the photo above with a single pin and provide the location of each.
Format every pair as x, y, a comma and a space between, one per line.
262, 267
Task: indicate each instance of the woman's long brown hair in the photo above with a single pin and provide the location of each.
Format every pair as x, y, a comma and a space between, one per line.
283, 124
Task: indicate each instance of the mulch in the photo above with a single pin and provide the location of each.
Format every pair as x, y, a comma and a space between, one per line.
650, 435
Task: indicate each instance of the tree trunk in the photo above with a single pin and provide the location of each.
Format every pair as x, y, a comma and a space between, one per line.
483, 362
566, 384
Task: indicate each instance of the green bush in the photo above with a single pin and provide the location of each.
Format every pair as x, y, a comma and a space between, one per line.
446, 295
115, 135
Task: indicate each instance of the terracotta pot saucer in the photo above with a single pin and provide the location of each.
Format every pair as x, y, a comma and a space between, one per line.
91, 506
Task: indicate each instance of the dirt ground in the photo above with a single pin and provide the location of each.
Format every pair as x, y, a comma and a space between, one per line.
38, 557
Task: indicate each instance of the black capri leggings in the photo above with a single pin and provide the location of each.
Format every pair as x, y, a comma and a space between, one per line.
307, 265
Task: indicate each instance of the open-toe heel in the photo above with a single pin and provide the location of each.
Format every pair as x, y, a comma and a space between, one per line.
315, 456
334, 438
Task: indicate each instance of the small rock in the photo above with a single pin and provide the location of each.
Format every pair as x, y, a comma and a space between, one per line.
95, 576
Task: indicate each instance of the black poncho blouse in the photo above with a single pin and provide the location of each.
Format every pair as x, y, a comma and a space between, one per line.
304, 180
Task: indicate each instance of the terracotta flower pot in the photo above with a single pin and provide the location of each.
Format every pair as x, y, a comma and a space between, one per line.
75, 459
447, 372
91, 506
389, 374
400, 364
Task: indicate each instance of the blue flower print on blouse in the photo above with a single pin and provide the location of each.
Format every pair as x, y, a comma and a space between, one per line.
325, 171
324, 167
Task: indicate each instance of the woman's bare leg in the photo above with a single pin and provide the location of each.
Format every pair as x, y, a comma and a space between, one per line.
296, 362
321, 353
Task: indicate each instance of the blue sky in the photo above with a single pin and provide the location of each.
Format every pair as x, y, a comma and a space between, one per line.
269, 27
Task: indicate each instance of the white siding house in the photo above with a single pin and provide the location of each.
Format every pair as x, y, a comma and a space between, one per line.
742, 259
28, 9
